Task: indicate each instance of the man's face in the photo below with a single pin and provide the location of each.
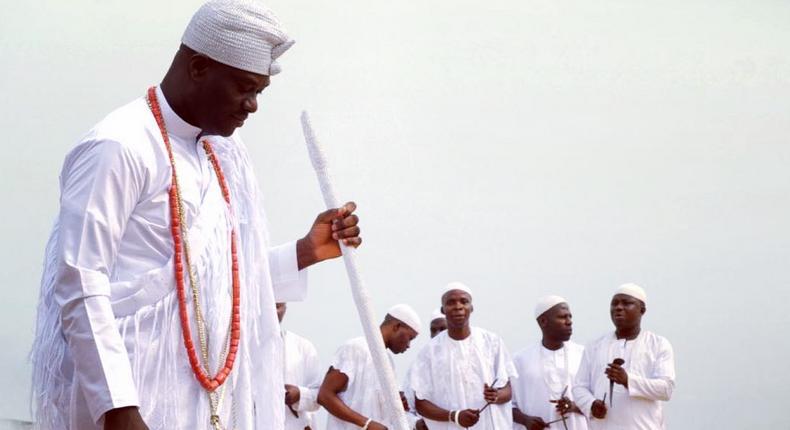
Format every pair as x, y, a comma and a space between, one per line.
557, 322
457, 308
437, 326
401, 338
281, 308
226, 97
626, 311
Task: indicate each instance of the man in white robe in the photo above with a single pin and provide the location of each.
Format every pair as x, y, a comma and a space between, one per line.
637, 386
302, 378
462, 376
542, 390
109, 351
351, 392
438, 324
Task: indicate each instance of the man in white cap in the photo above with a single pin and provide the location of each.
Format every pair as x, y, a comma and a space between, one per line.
461, 378
302, 377
157, 305
438, 322
542, 389
350, 391
633, 368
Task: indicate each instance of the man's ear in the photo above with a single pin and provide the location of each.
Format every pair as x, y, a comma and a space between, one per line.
198, 66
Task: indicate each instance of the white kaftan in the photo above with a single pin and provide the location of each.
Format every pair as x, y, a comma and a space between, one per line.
650, 364
303, 370
542, 376
108, 331
363, 393
451, 374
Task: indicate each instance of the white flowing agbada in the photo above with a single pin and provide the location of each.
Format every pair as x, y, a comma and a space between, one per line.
451, 374
542, 376
363, 393
108, 289
650, 364
303, 370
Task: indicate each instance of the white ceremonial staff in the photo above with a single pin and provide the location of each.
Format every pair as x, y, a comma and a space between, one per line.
359, 292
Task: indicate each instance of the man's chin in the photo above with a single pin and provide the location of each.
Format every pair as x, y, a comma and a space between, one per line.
220, 131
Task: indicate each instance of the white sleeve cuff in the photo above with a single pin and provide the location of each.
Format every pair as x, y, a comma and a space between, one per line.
288, 282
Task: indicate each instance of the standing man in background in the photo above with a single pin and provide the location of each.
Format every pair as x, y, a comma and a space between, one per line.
438, 325
462, 376
635, 368
542, 389
350, 391
302, 378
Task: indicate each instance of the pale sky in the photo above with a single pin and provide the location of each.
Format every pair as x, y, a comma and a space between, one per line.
523, 147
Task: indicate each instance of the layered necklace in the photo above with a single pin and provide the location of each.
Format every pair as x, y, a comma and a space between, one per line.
178, 228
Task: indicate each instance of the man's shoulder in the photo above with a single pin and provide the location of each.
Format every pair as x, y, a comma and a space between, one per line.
575, 347
526, 353
357, 344
656, 340
487, 335
129, 125
298, 339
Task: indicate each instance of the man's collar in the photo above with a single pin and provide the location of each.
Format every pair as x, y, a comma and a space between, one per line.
174, 124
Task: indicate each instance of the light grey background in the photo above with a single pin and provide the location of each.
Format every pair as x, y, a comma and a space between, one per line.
524, 147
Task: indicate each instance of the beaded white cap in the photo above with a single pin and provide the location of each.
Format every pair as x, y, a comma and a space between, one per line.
244, 34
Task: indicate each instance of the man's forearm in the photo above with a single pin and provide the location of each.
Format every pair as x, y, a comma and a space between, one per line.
519, 417
332, 403
428, 409
504, 394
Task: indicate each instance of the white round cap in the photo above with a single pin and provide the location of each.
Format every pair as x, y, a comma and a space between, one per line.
634, 291
547, 302
456, 286
405, 314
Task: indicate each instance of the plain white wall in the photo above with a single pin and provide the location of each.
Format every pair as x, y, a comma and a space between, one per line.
523, 147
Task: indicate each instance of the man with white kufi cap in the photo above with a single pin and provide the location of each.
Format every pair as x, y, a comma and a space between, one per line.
350, 391
462, 376
159, 287
634, 368
542, 389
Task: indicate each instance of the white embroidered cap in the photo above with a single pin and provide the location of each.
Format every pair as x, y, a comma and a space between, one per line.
547, 302
437, 314
243, 34
634, 291
406, 315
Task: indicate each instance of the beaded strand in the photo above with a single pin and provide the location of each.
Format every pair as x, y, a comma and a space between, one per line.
181, 250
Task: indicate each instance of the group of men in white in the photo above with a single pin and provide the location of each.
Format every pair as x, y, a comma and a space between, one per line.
465, 377
161, 292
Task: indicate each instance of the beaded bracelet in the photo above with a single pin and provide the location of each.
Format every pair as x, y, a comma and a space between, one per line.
367, 423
